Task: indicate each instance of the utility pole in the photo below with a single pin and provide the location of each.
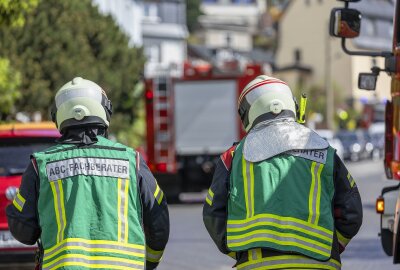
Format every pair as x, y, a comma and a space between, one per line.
330, 99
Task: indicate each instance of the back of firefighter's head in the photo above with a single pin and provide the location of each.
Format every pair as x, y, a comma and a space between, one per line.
81, 103
265, 98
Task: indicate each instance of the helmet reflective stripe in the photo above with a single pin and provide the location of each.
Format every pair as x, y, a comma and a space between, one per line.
253, 95
78, 92
268, 81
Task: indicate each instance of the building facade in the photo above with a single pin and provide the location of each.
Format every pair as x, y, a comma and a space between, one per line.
127, 14
230, 23
164, 36
303, 29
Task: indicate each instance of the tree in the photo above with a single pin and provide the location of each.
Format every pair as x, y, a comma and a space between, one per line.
12, 14
192, 13
10, 80
65, 39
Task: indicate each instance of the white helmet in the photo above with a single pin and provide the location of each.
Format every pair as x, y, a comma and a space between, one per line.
264, 98
81, 102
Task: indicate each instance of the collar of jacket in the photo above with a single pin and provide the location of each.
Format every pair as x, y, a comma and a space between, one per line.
273, 137
82, 135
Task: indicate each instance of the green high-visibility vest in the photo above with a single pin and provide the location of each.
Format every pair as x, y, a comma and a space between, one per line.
283, 203
89, 207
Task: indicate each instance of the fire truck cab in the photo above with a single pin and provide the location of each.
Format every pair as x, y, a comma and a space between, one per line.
345, 23
191, 120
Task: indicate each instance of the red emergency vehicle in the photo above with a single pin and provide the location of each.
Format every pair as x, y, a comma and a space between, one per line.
17, 143
388, 204
190, 121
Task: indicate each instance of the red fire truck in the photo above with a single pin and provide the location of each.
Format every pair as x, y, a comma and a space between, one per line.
190, 121
345, 23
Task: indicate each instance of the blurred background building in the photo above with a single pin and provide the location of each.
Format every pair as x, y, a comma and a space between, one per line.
304, 43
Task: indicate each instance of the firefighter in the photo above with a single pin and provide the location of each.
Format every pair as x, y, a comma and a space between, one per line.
88, 201
281, 198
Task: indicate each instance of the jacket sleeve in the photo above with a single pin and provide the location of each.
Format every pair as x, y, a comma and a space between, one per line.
215, 206
347, 205
22, 214
155, 215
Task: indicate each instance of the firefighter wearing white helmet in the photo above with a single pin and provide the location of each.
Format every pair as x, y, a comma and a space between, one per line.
280, 198
81, 102
91, 195
263, 98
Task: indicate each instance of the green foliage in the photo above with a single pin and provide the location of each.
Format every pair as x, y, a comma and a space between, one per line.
65, 39
10, 81
192, 13
14, 12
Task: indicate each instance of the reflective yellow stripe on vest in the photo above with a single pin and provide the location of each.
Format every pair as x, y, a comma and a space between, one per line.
286, 239
351, 180
96, 262
342, 240
315, 192
58, 195
254, 254
123, 193
153, 255
288, 261
282, 223
210, 197
158, 194
19, 202
103, 246
248, 176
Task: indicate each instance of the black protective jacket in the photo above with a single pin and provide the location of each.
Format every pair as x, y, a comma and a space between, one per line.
24, 225
346, 208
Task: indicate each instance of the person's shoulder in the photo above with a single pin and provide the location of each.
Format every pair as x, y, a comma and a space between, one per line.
49, 150
227, 156
116, 145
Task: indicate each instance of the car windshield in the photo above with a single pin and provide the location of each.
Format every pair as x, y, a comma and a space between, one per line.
348, 137
15, 153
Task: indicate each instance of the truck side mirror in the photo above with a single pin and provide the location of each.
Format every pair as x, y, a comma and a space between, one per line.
367, 81
345, 23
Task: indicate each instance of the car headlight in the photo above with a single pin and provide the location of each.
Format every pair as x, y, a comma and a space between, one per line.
356, 147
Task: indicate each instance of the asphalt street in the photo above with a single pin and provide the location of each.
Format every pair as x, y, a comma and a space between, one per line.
190, 247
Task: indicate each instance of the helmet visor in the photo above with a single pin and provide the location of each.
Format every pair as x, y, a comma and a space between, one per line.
67, 95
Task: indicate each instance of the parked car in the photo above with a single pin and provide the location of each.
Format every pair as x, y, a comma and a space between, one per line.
377, 134
17, 143
333, 141
355, 144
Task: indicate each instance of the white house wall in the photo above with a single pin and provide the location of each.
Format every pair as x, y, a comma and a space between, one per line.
128, 15
173, 52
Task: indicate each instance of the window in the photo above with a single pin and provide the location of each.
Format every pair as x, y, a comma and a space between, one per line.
367, 27
152, 53
243, 1
150, 10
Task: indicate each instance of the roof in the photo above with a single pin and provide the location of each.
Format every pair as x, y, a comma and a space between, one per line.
42, 129
164, 30
209, 54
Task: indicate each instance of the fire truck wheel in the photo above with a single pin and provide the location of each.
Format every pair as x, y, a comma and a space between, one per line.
387, 241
